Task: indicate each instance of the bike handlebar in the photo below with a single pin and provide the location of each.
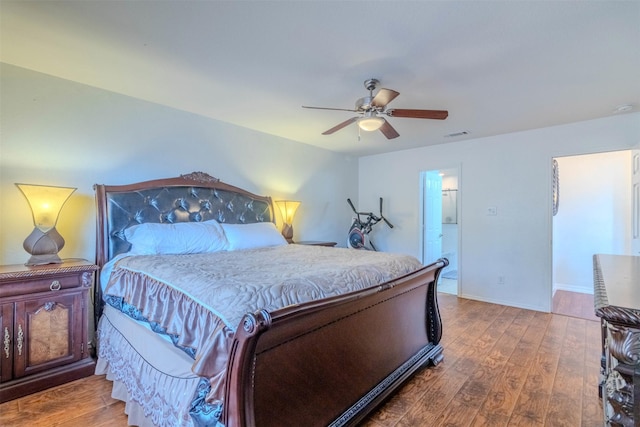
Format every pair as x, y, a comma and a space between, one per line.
370, 215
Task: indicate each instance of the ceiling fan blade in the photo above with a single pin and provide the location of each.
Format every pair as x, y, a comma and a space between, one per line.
340, 126
418, 114
383, 97
326, 108
388, 130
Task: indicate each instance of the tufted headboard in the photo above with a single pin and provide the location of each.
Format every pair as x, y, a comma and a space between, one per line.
193, 197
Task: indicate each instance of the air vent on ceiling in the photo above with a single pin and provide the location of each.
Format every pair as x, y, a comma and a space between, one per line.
453, 135
623, 108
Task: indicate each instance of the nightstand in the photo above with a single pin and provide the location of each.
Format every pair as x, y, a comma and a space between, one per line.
44, 326
316, 243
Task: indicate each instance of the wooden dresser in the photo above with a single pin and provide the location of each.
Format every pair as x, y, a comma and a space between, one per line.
617, 303
44, 326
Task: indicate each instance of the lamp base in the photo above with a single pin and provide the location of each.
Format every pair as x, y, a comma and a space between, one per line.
43, 247
287, 232
44, 259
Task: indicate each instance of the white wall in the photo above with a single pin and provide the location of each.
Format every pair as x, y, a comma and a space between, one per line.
510, 172
594, 215
57, 132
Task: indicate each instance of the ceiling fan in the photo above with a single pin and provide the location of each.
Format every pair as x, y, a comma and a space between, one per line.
371, 108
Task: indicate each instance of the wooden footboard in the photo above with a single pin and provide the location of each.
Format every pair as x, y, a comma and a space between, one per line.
331, 362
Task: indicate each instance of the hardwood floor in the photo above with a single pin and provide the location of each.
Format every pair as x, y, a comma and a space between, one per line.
574, 304
503, 366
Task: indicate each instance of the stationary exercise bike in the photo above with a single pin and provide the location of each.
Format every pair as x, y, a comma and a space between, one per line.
358, 237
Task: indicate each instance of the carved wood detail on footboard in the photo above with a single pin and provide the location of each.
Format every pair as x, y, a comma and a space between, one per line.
331, 362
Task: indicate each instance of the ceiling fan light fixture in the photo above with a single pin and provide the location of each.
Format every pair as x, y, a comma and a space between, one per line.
370, 123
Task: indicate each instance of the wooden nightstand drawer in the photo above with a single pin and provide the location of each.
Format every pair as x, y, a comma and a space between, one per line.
16, 287
21, 279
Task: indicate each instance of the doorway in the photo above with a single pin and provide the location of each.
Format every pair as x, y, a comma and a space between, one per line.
593, 216
440, 222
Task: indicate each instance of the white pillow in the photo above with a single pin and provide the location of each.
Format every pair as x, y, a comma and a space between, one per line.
249, 236
178, 238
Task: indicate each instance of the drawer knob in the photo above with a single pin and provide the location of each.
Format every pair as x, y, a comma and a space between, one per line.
55, 285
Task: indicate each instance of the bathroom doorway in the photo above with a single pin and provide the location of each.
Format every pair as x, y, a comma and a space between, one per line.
440, 222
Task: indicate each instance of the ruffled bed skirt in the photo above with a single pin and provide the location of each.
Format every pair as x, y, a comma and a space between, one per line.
134, 411
151, 376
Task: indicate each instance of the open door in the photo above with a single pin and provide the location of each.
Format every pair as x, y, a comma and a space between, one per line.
432, 216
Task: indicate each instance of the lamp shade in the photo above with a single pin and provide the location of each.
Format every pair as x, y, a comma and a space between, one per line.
288, 210
46, 203
44, 242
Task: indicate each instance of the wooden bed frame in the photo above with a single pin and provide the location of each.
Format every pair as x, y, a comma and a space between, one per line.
327, 362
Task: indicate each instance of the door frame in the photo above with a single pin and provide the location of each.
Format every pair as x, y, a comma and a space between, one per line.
553, 226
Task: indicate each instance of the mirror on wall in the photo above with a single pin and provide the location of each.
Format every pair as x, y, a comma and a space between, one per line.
449, 206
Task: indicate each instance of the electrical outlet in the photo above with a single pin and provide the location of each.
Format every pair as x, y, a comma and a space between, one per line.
500, 280
492, 211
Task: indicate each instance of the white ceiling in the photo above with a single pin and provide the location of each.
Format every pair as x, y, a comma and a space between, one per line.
496, 66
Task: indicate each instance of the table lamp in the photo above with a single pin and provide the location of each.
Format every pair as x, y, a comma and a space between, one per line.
288, 210
44, 242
